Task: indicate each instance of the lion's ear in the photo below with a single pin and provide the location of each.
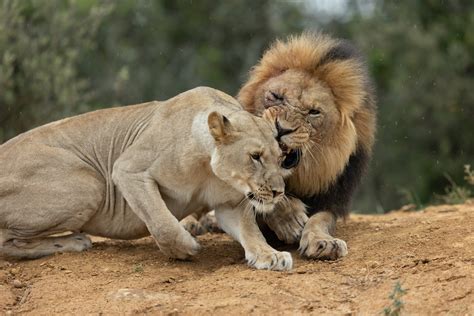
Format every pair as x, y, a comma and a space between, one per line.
219, 127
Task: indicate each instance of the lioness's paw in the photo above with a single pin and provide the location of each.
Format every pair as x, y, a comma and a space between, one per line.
325, 249
182, 247
271, 260
74, 242
288, 220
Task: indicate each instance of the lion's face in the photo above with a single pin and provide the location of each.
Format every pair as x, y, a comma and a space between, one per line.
310, 126
320, 90
306, 108
248, 157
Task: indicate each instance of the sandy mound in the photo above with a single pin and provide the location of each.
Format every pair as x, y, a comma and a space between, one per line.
431, 254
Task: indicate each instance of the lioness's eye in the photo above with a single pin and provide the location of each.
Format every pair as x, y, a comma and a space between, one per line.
255, 156
314, 112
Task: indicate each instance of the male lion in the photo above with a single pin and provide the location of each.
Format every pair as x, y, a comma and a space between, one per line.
133, 171
323, 86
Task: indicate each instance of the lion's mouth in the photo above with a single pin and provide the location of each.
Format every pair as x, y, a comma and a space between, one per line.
291, 158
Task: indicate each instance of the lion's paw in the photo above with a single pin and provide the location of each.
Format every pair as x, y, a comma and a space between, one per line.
182, 247
288, 220
325, 249
271, 260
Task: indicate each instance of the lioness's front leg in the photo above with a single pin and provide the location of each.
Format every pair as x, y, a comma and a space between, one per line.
141, 191
317, 241
242, 226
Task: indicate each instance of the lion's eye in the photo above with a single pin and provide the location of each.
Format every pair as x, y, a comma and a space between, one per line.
255, 156
314, 112
276, 96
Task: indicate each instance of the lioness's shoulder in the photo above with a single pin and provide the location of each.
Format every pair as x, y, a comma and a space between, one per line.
204, 94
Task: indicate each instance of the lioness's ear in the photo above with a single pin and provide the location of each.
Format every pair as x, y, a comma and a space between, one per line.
219, 127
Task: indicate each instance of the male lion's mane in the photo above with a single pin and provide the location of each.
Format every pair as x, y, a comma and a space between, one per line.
328, 181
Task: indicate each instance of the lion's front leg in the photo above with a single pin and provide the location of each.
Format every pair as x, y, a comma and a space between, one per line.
288, 220
317, 241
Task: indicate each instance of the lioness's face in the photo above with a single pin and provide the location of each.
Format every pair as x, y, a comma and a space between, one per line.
305, 111
248, 158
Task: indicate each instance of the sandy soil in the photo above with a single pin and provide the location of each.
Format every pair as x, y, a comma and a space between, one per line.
430, 252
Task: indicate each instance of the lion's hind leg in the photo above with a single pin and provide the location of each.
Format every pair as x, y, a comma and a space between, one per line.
40, 247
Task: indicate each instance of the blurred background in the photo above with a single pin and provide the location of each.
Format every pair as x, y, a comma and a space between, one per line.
60, 58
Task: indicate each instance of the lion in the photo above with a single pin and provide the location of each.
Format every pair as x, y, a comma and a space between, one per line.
134, 171
323, 86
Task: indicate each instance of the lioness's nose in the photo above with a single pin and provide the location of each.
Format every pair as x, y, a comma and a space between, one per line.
277, 193
278, 186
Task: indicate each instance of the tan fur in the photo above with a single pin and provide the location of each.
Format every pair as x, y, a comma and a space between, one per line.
133, 171
314, 72
342, 81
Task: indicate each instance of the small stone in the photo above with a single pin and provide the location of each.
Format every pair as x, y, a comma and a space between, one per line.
169, 280
373, 264
14, 271
3, 276
4, 264
8, 313
17, 283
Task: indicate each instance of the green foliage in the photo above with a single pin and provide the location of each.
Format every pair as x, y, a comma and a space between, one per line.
60, 58
153, 50
468, 174
455, 194
138, 268
396, 306
421, 54
40, 45
412, 198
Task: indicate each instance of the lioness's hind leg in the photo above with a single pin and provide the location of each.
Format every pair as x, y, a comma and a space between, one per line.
209, 222
201, 222
40, 247
192, 225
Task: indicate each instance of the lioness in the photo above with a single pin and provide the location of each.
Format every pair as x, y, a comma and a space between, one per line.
132, 171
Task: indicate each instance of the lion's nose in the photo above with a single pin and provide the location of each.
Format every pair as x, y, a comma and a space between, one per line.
276, 193
282, 131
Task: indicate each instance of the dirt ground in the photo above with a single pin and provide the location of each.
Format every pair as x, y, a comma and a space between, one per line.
430, 252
